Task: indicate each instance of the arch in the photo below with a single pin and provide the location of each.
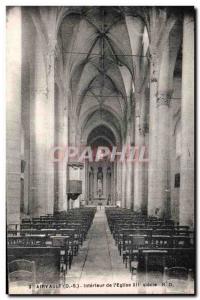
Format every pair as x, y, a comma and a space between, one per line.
103, 131
87, 131
87, 115
64, 12
100, 118
101, 137
116, 50
83, 92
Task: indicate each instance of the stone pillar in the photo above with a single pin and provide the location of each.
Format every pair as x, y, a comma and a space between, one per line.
51, 51
124, 178
91, 184
108, 183
83, 183
66, 144
104, 169
114, 197
94, 185
129, 195
140, 202
153, 124
160, 89
129, 179
159, 204
13, 114
38, 135
162, 196
135, 28
62, 143
43, 129
187, 123
86, 182
119, 184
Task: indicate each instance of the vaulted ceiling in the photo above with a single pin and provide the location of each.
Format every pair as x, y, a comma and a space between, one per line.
95, 44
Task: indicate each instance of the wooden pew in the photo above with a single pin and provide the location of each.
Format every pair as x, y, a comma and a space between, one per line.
171, 257
61, 237
148, 232
51, 258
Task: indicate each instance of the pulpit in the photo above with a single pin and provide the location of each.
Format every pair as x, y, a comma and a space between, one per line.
74, 184
74, 189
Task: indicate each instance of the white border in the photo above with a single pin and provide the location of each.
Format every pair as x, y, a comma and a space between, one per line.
100, 2
3, 4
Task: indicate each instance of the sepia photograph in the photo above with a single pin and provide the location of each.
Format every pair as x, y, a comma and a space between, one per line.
100, 150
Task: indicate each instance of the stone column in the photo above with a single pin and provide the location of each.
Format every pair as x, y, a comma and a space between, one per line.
140, 202
38, 135
162, 196
51, 52
129, 194
160, 90
13, 114
187, 123
108, 183
83, 183
62, 143
66, 144
115, 167
104, 169
135, 28
124, 178
43, 130
153, 124
86, 182
129, 179
94, 186
160, 201
92, 191
119, 183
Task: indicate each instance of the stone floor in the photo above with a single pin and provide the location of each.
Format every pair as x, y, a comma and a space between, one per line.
98, 260
98, 268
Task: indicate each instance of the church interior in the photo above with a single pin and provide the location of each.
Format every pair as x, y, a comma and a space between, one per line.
112, 81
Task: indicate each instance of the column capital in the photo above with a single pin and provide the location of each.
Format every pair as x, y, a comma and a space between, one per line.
154, 55
163, 99
52, 46
51, 54
154, 58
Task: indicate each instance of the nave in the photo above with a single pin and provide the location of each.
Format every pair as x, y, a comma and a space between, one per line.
123, 252
100, 156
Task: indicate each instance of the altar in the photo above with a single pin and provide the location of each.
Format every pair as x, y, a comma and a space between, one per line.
100, 185
100, 201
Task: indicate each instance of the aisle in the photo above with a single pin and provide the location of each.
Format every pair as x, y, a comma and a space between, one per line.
102, 261
98, 268
98, 261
